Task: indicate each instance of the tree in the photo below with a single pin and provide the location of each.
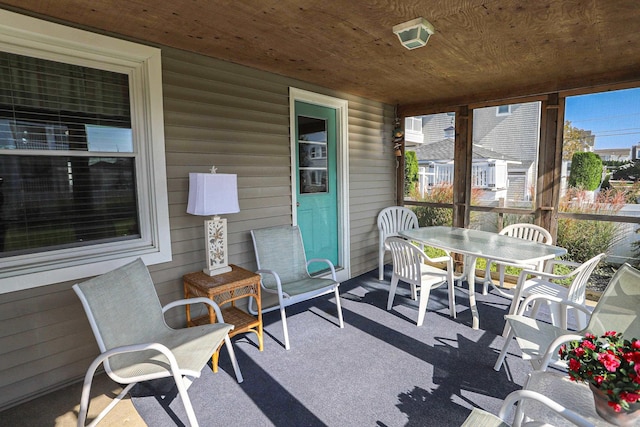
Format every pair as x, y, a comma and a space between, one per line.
575, 140
586, 170
410, 171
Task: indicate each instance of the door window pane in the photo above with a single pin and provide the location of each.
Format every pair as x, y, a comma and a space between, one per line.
312, 155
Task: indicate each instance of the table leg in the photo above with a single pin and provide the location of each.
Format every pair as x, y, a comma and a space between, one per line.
471, 282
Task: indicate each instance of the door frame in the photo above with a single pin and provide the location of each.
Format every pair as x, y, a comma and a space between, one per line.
342, 168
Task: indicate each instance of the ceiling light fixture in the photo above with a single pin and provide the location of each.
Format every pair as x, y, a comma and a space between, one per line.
414, 33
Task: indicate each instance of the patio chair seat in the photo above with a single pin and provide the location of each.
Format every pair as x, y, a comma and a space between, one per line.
191, 348
305, 286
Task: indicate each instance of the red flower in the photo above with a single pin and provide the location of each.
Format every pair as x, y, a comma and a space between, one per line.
635, 344
616, 406
609, 360
598, 379
629, 397
610, 334
579, 351
589, 345
574, 364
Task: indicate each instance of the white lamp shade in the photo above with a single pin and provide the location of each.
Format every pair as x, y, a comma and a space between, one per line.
212, 194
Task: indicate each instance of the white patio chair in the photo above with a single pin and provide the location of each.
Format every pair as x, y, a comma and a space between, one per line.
135, 342
525, 231
481, 418
409, 266
392, 220
545, 283
283, 266
617, 310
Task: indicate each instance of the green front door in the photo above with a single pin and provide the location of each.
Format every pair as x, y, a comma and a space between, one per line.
317, 187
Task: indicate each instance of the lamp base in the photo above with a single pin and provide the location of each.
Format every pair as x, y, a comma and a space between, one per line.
216, 271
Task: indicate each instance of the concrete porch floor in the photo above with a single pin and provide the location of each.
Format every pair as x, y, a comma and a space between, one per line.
60, 408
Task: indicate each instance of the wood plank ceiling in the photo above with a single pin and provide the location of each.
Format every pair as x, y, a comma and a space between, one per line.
481, 50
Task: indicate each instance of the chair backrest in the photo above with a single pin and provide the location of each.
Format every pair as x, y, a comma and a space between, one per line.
280, 249
527, 231
407, 259
619, 306
578, 286
394, 219
122, 306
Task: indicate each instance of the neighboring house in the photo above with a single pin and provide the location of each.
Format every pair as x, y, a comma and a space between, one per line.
488, 170
504, 137
614, 154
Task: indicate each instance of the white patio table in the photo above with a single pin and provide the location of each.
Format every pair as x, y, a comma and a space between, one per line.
484, 244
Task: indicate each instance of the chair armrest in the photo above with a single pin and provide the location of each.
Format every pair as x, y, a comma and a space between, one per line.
551, 349
328, 262
553, 262
519, 395
530, 298
278, 282
445, 258
196, 300
545, 275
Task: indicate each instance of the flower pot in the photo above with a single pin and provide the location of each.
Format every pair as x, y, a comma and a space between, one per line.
622, 418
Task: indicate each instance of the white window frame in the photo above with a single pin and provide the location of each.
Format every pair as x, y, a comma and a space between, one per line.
28, 36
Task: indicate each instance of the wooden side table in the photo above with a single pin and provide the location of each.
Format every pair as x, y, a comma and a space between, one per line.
225, 289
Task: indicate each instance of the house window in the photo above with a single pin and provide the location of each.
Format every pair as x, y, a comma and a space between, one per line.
82, 186
503, 110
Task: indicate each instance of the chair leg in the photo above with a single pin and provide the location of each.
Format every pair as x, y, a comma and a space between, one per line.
392, 291
503, 353
339, 307
234, 361
182, 391
86, 394
452, 298
422, 304
381, 265
285, 331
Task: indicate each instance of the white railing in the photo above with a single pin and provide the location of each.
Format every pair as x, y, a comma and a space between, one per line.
486, 175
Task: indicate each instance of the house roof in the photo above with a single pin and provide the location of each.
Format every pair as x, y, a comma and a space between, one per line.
443, 150
481, 50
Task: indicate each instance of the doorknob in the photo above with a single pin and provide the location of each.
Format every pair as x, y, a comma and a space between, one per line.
297, 204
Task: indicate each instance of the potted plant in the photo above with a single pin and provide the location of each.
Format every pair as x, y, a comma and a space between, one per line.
610, 364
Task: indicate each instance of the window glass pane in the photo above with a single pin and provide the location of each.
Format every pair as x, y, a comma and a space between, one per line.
47, 105
601, 173
54, 202
429, 162
53, 194
505, 156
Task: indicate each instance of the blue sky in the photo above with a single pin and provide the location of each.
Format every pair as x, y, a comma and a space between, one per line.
614, 117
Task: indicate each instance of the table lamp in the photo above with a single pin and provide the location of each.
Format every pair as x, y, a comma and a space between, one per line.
214, 194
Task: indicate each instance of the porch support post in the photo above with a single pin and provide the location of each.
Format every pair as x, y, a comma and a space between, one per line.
462, 157
550, 163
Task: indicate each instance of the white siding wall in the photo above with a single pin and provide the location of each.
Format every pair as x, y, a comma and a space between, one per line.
235, 118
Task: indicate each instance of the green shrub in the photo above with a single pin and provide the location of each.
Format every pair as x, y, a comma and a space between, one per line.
410, 172
586, 170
